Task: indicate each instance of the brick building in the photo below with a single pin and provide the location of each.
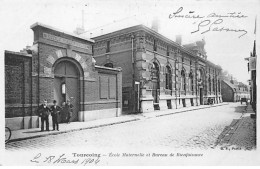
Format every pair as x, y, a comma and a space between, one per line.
61, 67
158, 73
233, 91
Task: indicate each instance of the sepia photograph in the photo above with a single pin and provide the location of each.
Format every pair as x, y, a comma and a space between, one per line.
129, 83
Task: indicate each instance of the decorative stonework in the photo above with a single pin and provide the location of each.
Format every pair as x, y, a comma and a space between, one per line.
59, 53
83, 65
47, 70
51, 59
65, 41
77, 57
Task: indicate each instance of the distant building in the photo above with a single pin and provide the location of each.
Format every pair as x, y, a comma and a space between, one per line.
233, 91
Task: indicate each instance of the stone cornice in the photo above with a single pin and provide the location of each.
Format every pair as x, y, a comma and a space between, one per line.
162, 38
60, 31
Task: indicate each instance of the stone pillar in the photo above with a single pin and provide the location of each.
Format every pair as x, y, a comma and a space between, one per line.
174, 103
198, 101
163, 104
188, 103
146, 104
178, 103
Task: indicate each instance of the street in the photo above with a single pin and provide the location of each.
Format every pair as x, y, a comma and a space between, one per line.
198, 129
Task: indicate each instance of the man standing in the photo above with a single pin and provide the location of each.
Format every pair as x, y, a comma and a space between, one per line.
44, 112
55, 111
68, 110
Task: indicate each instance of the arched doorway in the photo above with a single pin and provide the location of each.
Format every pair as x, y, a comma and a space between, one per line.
183, 82
155, 84
66, 86
168, 78
201, 80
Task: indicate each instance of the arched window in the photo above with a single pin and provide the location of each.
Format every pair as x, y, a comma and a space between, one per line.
209, 84
155, 81
199, 74
213, 81
183, 80
168, 77
218, 86
191, 81
154, 71
109, 65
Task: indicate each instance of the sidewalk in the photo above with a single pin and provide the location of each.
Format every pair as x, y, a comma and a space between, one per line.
241, 134
74, 126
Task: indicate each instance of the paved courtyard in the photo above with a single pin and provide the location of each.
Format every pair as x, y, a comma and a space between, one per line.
198, 129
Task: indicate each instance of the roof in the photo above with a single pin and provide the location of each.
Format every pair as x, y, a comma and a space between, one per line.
154, 33
18, 53
232, 86
61, 31
145, 28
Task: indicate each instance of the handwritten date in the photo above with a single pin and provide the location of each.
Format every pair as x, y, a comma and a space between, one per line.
63, 159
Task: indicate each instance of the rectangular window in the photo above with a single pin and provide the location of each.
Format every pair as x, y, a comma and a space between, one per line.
154, 45
108, 46
168, 51
112, 87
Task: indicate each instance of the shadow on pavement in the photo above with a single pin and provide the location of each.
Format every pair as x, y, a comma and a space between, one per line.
240, 134
240, 109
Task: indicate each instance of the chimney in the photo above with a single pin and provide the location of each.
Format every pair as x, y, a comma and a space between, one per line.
155, 24
232, 81
178, 39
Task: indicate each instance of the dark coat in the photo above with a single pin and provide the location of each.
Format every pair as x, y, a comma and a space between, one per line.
44, 111
55, 111
68, 109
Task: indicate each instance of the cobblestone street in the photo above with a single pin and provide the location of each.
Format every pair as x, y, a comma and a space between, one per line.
198, 129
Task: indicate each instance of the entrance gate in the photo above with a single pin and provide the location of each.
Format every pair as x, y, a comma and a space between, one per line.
66, 87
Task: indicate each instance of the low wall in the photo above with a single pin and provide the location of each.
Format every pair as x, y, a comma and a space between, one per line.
99, 114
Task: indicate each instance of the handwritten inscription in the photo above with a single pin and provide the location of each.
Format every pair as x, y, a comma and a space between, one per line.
211, 22
76, 159
207, 25
178, 15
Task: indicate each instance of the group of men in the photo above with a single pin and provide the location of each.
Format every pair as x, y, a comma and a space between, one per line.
55, 111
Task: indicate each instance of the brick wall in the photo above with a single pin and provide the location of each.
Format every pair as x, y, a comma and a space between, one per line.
120, 55
166, 54
17, 85
30, 79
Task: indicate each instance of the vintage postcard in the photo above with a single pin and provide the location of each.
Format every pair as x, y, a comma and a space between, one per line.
118, 82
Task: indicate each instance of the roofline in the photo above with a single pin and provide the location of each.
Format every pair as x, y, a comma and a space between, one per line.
17, 53
228, 83
61, 31
216, 66
145, 28
136, 28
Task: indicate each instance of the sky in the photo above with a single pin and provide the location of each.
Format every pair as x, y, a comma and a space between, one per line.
102, 16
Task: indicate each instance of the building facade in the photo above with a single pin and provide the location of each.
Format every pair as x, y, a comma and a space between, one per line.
158, 73
232, 90
61, 67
